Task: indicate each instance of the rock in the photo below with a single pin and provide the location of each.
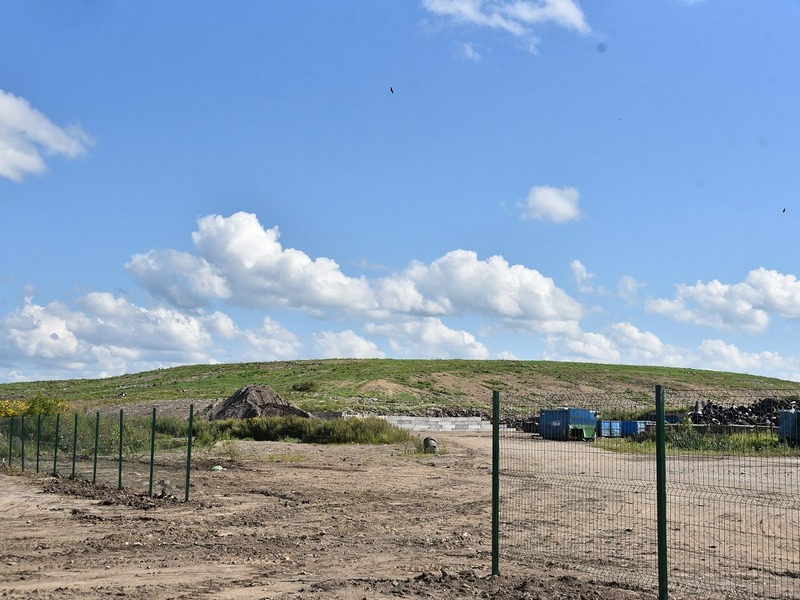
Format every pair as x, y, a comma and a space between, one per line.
253, 401
166, 488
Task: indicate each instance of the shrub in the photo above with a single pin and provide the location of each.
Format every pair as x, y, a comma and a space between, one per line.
371, 430
12, 408
172, 426
39, 404
339, 431
305, 386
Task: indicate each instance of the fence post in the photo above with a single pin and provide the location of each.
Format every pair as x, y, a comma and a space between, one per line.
22, 439
495, 482
96, 443
74, 444
152, 450
661, 493
189, 451
10, 438
121, 430
38, 438
55, 445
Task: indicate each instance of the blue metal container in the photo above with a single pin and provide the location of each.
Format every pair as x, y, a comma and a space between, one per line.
633, 428
609, 428
567, 423
789, 427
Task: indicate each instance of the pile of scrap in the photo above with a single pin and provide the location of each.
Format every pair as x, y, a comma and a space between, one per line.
764, 412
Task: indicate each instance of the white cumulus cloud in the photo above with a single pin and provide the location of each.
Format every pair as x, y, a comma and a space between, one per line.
345, 344
583, 279
644, 347
722, 356
108, 335
583, 346
184, 279
546, 203
565, 13
516, 17
26, 134
240, 261
429, 338
459, 283
270, 341
619, 343
747, 305
468, 51
46, 332
628, 289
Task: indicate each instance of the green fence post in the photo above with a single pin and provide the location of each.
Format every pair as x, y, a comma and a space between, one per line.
74, 444
152, 450
189, 452
96, 444
121, 429
55, 445
661, 494
22, 439
10, 438
495, 482
38, 438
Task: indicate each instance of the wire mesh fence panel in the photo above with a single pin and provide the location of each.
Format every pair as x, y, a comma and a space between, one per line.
124, 453
732, 486
108, 450
6, 440
733, 490
577, 496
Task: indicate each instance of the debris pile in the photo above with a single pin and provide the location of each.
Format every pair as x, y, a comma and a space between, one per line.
253, 401
764, 412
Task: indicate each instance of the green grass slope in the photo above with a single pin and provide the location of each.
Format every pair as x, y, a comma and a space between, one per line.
386, 386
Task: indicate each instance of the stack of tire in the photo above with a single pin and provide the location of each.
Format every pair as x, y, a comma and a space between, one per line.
764, 413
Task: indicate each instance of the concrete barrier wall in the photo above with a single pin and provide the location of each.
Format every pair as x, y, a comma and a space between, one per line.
439, 423
424, 423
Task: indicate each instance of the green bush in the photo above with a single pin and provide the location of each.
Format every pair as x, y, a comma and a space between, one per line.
172, 426
687, 438
305, 386
40, 404
371, 430
339, 431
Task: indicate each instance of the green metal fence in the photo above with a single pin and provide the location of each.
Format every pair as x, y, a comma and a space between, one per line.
146, 454
729, 493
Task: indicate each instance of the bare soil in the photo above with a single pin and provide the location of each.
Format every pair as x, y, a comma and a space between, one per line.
283, 521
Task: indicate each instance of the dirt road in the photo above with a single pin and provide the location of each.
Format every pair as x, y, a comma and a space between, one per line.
282, 521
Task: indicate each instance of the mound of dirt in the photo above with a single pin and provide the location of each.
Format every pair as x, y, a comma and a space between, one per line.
253, 401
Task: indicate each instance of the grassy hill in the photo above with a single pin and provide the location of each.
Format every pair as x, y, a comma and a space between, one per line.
388, 386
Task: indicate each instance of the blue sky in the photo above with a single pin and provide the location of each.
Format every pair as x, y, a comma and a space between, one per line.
195, 182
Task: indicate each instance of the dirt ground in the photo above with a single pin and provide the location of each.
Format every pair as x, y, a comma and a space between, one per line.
283, 521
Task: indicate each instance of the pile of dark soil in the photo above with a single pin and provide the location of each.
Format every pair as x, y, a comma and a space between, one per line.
106, 495
253, 401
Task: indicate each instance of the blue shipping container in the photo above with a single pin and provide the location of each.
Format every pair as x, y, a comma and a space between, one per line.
633, 428
567, 423
789, 427
609, 428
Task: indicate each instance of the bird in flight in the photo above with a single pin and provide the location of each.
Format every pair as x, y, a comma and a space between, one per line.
391, 89
784, 210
